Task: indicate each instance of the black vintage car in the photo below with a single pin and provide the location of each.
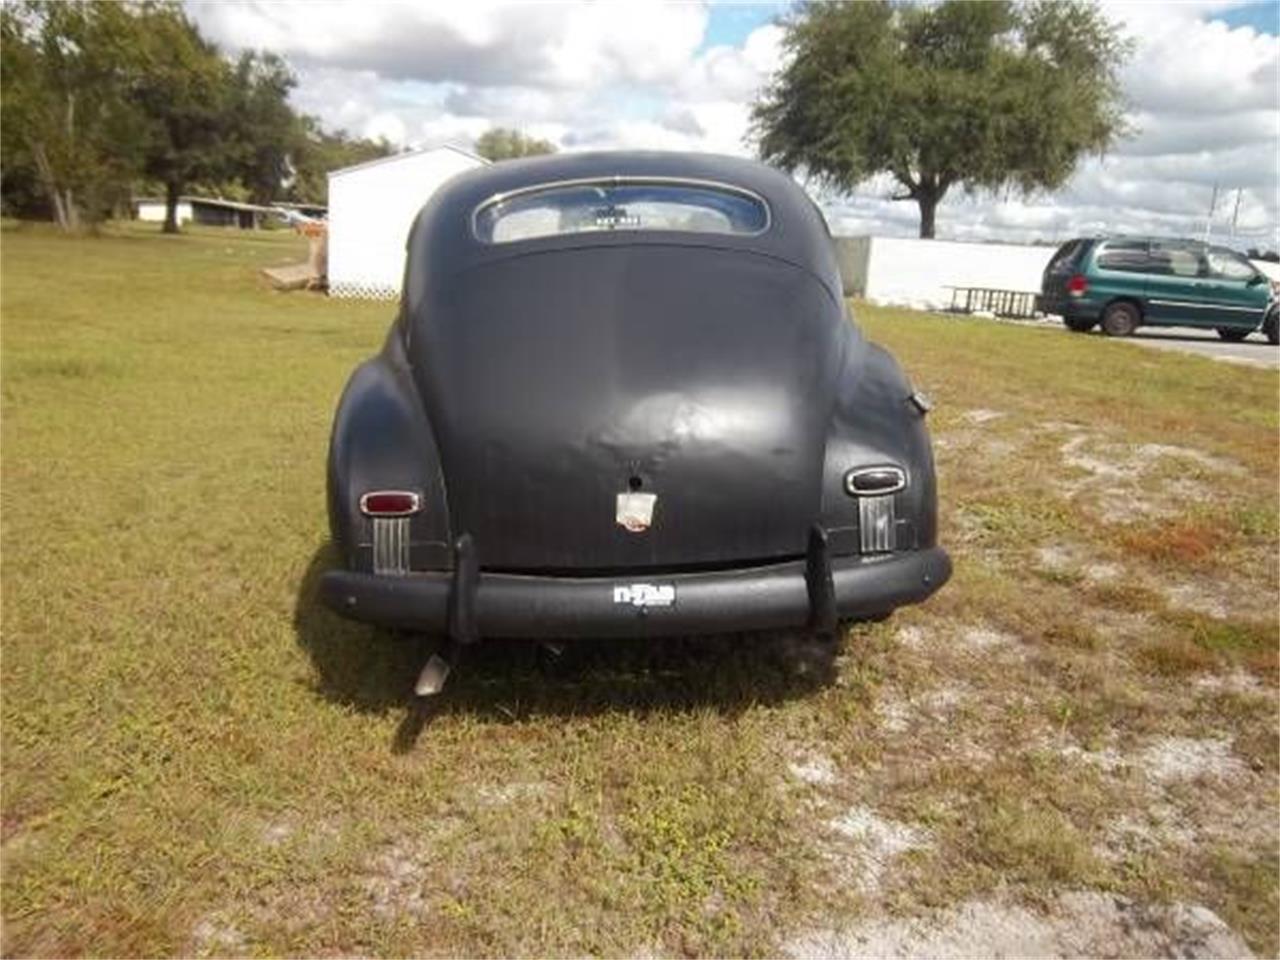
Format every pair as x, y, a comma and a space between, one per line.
623, 397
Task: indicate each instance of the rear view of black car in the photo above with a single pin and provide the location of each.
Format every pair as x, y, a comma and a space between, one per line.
623, 397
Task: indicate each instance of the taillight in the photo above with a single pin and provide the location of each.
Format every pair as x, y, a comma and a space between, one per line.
1077, 286
874, 488
389, 503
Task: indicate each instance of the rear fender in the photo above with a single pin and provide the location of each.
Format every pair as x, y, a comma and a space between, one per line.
874, 423
382, 440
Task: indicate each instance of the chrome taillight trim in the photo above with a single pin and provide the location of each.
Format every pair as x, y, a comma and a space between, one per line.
859, 482
877, 524
391, 545
414, 507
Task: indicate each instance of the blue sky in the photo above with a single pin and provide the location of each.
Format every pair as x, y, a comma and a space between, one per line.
1263, 17
730, 24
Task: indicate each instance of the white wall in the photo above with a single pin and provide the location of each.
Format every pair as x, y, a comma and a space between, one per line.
371, 208
853, 254
1269, 268
153, 211
916, 273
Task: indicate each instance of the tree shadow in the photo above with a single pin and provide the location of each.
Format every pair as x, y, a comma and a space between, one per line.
507, 681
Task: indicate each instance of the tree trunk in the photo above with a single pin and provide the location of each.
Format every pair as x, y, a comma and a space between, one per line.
928, 209
70, 212
173, 191
50, 184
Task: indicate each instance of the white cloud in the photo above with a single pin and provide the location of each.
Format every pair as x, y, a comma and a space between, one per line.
1203, 99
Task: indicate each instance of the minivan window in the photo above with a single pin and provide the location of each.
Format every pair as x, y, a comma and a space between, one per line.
593, 206
1178, 261
1230, 265
1125, 255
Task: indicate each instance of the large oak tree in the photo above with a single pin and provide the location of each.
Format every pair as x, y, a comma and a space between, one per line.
978, 95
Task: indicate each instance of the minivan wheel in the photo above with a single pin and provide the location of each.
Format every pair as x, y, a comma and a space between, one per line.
1079, 324
1271, 326
1120, 319
1232, 334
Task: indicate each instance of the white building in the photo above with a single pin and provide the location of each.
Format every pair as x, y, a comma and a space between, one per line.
923, 273
152, 210
372, 206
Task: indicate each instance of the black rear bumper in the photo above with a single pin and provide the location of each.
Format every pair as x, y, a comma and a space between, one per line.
755, 598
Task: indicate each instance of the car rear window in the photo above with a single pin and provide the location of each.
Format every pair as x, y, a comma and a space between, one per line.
607, 205
1066, 256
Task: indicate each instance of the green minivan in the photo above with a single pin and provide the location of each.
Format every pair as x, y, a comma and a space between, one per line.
1123, 283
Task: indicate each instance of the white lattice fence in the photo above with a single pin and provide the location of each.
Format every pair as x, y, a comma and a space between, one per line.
355, 290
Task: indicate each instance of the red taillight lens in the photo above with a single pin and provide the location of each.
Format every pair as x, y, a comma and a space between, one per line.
1077, 285
389, 503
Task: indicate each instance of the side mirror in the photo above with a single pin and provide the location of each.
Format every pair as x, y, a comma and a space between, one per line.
1256, 279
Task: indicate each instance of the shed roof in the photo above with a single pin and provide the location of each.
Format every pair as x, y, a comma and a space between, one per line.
403, 156
210, 202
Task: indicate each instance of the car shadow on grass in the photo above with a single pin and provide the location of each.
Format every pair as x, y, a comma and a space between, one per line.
504, 681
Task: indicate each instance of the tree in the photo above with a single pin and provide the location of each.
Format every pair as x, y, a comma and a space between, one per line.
187, 92
64, 75
263, 127
500, 143
982, 95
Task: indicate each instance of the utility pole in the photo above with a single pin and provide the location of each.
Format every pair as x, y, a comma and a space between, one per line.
1208, 221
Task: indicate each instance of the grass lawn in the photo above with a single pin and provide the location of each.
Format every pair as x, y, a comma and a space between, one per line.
198, 759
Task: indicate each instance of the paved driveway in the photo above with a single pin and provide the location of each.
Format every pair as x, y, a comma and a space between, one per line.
1254, 350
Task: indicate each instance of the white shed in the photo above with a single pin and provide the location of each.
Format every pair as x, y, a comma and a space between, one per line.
372, 206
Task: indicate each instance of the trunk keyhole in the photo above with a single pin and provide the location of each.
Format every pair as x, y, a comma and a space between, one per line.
635, 483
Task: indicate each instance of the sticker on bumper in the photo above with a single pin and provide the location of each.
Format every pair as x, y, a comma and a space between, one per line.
645, 595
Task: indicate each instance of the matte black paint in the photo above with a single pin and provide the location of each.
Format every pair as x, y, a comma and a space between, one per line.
526, 384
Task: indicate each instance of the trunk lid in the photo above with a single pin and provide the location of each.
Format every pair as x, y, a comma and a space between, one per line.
556, 381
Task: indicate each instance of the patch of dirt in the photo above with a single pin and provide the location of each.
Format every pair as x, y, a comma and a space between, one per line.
396, 880
1157, 827
815, 769
506, 793
980, 416
869, 843
985, 639
1183, 758
1058, 558
912, 637
1108, 759
1238, 681
1131, 480
940, 703
288, 828
1196, 597
894, 713
1074, 924
214, 936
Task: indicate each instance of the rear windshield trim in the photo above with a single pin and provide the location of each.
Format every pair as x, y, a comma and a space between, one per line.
619, 180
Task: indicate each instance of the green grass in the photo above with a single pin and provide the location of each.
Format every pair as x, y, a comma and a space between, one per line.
197, 758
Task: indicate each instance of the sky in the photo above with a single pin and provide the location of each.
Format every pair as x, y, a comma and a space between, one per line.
1201, 89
